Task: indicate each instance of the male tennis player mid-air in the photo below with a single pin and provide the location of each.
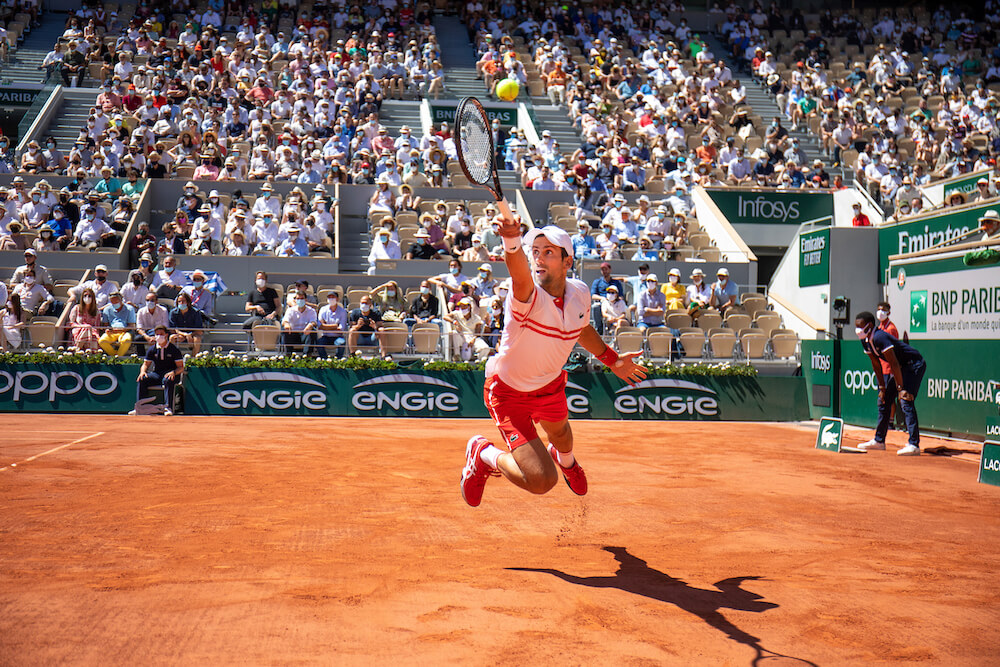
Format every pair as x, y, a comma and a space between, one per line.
547, 313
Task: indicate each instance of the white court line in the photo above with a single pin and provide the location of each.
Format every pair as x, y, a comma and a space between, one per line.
54, 450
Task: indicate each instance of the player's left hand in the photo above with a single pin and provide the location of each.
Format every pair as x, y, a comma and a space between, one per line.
626, 369
905, 395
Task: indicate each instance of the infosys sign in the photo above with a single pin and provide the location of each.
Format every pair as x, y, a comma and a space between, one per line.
769, 207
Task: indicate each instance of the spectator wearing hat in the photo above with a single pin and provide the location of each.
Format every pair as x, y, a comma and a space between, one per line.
615, 312
206, 169
154, 167
724, 292
989, 223
484, 285
651, 304
294, 245
119, 318
674, 291
698, 294
74, 66
134, 291
467, 329
646, 252
982, 191
108, 186
201, 298
859, 219
421, 247
162, 367
598, 291
102, 287
584, 245
42, 275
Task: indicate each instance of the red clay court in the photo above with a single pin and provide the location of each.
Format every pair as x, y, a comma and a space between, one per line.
204, 540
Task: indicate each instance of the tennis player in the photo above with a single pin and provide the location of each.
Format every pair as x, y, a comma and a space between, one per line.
547, 313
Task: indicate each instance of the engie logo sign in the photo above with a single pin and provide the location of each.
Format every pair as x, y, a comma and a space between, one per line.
672, 398
272, 390
577, 399
406, 393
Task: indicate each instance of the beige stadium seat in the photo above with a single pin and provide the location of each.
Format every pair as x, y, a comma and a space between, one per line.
754, 345
723, 344
628, 339
767, 321
678, 320
754, 305
738, 321
426, 337
784, 345
709, 319
659, 342
265, 337
693, 344
354, 295
394, 336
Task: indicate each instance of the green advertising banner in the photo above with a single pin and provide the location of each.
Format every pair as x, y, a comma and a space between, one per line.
818, 358
771, 207
444, 112
965, 184
831, 429
989, 464
234, 391
922, 233
67, 388
960, 388
945, 299
814, 258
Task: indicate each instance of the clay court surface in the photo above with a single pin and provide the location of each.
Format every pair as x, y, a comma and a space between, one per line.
200, 540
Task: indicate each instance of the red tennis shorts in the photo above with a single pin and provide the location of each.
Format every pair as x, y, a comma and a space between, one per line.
515, 412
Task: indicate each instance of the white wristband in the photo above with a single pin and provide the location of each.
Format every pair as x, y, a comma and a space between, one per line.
512, 245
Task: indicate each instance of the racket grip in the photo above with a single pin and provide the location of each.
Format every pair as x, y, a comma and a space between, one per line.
504, 208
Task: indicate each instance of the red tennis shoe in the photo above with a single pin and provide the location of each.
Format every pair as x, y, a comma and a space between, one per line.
475, 473
575, 478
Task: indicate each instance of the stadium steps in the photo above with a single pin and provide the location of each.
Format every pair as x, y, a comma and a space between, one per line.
458, 56
396, 113
762, 103
355, 244
65, 125
22, 70
556, 120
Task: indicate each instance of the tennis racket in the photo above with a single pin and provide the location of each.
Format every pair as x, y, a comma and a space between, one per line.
476, 151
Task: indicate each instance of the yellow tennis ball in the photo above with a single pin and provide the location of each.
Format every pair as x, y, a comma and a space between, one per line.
507, 90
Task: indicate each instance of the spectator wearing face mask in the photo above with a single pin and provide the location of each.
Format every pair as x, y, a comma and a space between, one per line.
484, 285
724, 292
13, 319
382, 248
119, 318
332, 325
425, 307
168, 281
365, 326
149, 316
299, 326
467, 329
91, 232
201, 298
421, 247
615, 312
651, 305
134, 291
263, 303
187, 322
100, 284
85, 322
674, 291
162, 367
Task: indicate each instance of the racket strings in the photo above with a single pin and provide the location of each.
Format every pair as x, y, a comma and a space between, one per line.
477, 144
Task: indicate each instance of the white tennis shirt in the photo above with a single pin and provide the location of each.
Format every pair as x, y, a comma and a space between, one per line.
538, 336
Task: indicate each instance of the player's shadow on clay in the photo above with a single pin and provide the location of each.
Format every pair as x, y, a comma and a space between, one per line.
635, 576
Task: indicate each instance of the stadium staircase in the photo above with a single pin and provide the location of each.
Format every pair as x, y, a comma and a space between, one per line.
762, 103
396, 113
355, 243
22, 70
65, 125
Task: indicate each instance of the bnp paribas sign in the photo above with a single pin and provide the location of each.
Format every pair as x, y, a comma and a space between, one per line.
772, 207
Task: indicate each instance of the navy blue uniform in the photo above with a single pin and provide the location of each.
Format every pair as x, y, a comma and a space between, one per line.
912, 367
162, 361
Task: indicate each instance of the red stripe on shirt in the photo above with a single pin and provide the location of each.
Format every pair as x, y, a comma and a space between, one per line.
529, 327
556, 329
531, 304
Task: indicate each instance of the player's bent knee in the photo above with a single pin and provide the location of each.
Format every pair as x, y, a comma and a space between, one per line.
543, 483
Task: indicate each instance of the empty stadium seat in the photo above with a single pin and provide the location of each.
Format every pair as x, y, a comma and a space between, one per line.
709, 319
426, 338
753, 345
738, 321
659, 342
693, 345
723, 344
266, 337
628, 339
767, 321
784, 345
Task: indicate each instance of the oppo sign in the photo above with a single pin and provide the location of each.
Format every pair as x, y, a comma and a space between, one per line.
53, 384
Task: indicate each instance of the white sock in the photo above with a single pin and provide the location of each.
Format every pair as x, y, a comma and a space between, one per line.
566, 459
490, 455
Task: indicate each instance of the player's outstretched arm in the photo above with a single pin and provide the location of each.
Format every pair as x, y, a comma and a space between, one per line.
623, 366
522, 286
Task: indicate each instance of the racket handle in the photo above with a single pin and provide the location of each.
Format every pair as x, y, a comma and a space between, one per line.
504, 208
